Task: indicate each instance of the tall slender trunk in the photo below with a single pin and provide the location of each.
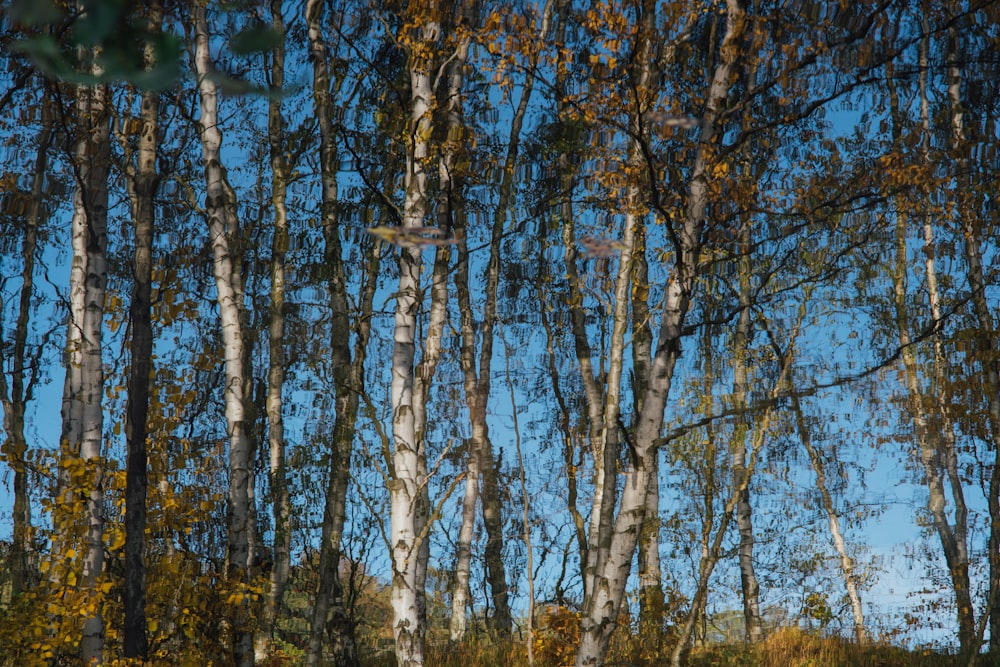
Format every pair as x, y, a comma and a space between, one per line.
833, 517
712, 549
525, 507
83, 417
932, 428
610, 577
697, 618
281, 503
744, 510
406, 482
928, 440
477, 384
146, 181
476, 403
986, 333
570, 449
565, 168
220, 204
329, 611
422, 380
14, 399
651, 599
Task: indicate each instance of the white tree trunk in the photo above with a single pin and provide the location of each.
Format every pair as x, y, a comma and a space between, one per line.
744, 510
276, 351
610, 578
833, 517
84, 429
220, 204
405, 486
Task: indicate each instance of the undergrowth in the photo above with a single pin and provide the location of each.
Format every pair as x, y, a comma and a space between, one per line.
787, 647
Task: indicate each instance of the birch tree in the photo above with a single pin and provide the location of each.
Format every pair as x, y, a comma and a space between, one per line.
408, 482
281, 501
328, 609
610, 574
223, 224
81, 465
932, 428
834, 520
142, 181
744, 521
477, 382
651, 598
973, 235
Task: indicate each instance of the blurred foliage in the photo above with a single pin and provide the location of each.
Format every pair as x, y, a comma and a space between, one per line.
118, 33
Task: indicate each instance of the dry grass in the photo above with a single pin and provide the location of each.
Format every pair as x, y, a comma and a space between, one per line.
788, 647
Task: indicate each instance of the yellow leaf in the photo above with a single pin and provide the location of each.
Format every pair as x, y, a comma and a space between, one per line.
117, 540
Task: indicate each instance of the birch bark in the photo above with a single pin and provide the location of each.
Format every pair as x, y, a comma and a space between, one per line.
610, 576
83, 417
477, 384
833, 517
406, 487
223, 224
451, 191
744, 510
281, 502
651, 599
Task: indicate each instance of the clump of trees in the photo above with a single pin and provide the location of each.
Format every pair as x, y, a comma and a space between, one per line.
489, 320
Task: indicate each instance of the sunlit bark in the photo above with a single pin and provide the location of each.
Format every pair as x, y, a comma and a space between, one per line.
83, 417
476, 402
611, 574
744, 510
281, 502
406, 483
833, 518
223, 224
651, 599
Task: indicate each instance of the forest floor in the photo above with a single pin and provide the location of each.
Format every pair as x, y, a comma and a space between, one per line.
785, 648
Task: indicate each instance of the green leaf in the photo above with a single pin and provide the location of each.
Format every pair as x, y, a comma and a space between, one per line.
255, 39
97, 23
34, 12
